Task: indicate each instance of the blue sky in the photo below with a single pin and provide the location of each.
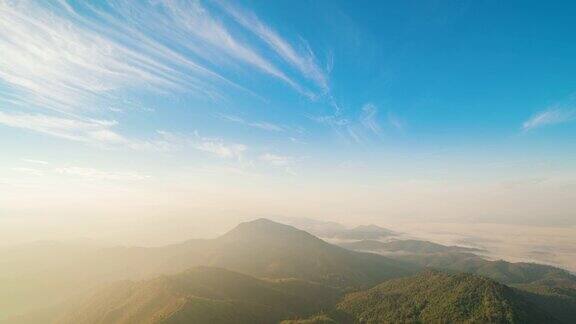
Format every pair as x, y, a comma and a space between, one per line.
438, 96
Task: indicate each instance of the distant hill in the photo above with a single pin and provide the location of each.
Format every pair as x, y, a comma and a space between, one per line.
364, 232
500, 270
435, 297
333, 230
553, 289
313, 226
203, 295
408, 246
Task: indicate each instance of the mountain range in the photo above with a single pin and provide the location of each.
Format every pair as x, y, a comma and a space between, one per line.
405, 246
265, 272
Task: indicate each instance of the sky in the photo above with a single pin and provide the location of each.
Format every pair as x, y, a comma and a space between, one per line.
120, 117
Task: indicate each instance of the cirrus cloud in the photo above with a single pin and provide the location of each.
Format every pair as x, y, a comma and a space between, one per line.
549, 117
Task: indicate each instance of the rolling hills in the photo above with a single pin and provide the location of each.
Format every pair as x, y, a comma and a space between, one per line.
435, 297
204, 295
284, 259
214, 295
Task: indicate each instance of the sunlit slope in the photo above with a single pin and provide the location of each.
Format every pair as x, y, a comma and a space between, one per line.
204, 295
435, 297
551, 288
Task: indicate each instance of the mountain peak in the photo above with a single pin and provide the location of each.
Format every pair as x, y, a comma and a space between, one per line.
370, 228
263, 228
261, 224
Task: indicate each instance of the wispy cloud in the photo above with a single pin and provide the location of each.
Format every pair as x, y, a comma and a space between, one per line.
96, 174
276, 160
217, 147
368, 119
303, 59
34, 161
29, 171
90, 131
101, 133
53, 61
549, 117
395, 121
362, 127
260, 124
66, 55
72, 129
82, 59
193, 26
81, 172
213, 145
279, 161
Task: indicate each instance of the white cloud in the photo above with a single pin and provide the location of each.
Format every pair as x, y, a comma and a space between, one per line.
194, 20
261, 125
55, 62
213, 145
549, 117
279, 161
395, 122
90, 131
95, 174
73, 57
276, 160
34, 161
70, 56
368, 119
44, 169
72, 129
303, 60
218, 147
363, 126
29, 171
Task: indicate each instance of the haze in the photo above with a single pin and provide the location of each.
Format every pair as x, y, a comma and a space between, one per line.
146, 123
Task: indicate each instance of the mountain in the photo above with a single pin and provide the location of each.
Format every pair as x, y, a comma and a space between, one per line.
316, 319
500, 270
333, 230
435, 297
364, 232
44, 277
407, 246
204, 295
264, 248
313, 226
261, 249
553, 289
559, 301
